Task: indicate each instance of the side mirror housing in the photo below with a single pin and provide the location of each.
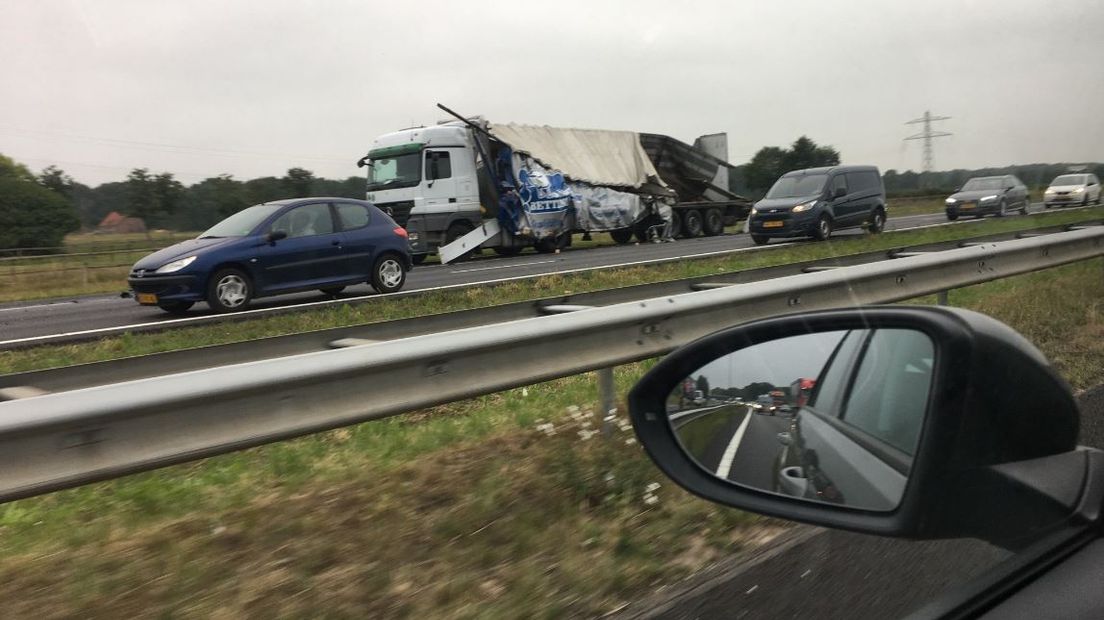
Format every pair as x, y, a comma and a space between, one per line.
902, 423
839, 192
276, 235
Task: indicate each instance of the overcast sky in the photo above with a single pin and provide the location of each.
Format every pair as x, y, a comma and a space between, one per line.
251, 88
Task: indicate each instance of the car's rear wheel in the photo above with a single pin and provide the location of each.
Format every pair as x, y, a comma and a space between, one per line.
388, 274
713, 224
176, 307
760, 239
332, 290
692, 223
823, 228
229, 290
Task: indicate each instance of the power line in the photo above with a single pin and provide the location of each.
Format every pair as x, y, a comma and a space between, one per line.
927, 135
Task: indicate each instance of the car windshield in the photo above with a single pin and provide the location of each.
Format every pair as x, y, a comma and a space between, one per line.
1069, 179
984, 184
798, 186
241, 223
395, 172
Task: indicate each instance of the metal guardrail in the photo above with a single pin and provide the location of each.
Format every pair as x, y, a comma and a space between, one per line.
60, 440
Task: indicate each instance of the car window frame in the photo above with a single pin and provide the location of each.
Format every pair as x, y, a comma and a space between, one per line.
329, 209
341, 223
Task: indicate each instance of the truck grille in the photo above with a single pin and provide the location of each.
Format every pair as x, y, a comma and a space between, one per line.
399, 210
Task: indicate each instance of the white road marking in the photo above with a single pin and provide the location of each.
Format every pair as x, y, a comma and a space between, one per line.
725, 468
539, 262
58, 303
806, 573
752, 589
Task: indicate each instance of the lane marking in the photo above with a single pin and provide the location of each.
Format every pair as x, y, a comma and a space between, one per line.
539, 262
58, 303
730, 451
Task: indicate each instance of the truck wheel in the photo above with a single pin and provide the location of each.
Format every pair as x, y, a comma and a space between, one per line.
692, 223
513, 250
823, 228
640, 230
454, 232
388, 274
622, 235
714, 222
760, 239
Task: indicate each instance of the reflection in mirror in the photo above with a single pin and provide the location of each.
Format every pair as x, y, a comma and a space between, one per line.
830, 417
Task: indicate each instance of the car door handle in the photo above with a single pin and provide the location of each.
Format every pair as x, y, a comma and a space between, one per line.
337, 243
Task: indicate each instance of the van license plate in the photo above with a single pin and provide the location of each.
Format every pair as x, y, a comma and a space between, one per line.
147, 299
774, 224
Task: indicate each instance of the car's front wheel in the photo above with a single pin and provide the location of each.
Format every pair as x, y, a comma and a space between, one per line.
760, 239
952, 217
388, 274
229, 290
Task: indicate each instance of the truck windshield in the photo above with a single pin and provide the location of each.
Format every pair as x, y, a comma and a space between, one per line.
394, 172
798, 186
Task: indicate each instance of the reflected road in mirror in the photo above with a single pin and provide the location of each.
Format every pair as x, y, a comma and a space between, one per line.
830, 417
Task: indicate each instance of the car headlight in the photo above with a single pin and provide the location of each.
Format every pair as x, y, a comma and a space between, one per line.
805, 206
1079, 190
754, 211
176, 265
951, 201
1050, 190
992, 197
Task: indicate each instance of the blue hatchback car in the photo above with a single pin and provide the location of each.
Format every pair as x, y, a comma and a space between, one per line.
274, 248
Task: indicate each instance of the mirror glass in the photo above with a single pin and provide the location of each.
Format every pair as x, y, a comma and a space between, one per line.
829, 417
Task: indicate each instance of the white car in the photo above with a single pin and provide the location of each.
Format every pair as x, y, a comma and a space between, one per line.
1073, 189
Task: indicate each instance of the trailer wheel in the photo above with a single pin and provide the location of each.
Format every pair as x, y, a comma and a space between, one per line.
622, 235
692, 223
714, 222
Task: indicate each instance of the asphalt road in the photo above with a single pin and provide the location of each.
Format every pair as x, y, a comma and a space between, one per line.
42, 318
819, 573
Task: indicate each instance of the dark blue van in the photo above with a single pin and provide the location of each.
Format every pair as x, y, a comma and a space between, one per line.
816, 201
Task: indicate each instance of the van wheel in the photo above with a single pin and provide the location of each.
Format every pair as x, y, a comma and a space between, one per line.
714, 222
229, 290
823, 228
877, 222
692, 223
388, 274
760, 239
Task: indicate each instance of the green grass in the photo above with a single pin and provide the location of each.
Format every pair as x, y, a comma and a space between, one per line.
474, 509
516, 290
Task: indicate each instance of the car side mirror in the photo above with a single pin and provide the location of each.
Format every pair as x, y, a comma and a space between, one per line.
900, 424
276, 235
839, 192
1010, 188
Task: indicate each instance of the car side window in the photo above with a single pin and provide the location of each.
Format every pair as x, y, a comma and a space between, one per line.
306, 221
890, 394
832, 384
438, 165
840, 180
352, 216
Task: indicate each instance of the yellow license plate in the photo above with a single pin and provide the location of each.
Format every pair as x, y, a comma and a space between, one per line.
965, 206
147, 299
774, 224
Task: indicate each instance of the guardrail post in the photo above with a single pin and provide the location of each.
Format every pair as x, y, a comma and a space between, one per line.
942, 298
606, 400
